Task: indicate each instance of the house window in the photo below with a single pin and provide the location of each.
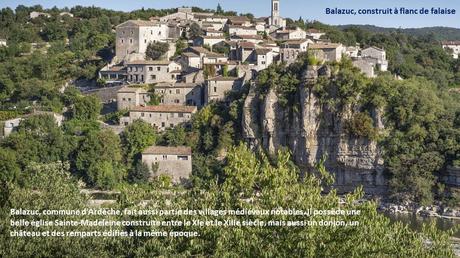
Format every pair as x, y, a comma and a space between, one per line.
129, 99
173, 76
153, 77
132, 32
159, 33
165, 157
142, 114
124, 99
181, 114
150, 68
177, 91
182, 157
145, 41
151, 32
158, 68
170, 91
163, 124
122, 41
171, 125
150, 115
177, 102
131, 41
215, 89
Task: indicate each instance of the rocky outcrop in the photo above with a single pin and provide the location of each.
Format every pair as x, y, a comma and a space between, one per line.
312, 131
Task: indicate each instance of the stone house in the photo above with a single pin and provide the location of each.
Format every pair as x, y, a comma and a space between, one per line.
285, 34
332, 51
133, 36
212, 25
365, 65
161, 117
256, 39
245, 51
453, 46
34, 15
290, 50
240, 30
179, 93
196, 57
314, 34
155, 71
216, 88
12, 124
239, 21
208, 40
113, 73
175, 162
129, 97
377, 53
264, 58
352, 52
191, 59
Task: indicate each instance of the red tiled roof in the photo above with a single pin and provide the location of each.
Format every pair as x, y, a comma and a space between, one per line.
166, 150
165, 108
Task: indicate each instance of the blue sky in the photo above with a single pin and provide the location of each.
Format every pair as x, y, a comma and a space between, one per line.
312, 10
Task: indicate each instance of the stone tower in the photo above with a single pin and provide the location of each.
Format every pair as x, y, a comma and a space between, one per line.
275, 18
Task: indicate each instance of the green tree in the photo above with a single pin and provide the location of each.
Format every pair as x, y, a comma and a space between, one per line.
195, 31
86, 108
136, 137
99, 159
156, 50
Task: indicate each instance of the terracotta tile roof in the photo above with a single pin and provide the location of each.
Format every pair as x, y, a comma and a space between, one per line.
451, 42
167, 150
221, 78
262, 51
139, 23
150, 62
165, 109
248, 37
324, 46
163, 85
247, 44
131, 89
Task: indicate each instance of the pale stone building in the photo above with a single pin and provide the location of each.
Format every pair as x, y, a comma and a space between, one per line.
264, 58
155, 71
256, 39
377, 53
240, 30
34, 15
134, 36
314, 34
275, 19
290, 50
132, 96
245, 51
179, 93
239, 21
175, 162
453, 46
285, 34
332, 51
3, 43
216, 88
208, 40
366, 67
161, 117
12, 124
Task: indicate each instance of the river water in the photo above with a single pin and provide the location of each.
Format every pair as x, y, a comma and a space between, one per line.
416, 222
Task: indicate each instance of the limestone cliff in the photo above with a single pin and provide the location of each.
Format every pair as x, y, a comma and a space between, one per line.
313, 131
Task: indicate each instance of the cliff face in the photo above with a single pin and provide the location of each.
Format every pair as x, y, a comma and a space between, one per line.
313, 132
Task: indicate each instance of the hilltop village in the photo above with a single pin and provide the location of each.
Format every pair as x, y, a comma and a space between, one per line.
219, 54
166, 68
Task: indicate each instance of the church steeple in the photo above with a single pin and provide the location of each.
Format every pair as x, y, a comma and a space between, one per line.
275, 8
